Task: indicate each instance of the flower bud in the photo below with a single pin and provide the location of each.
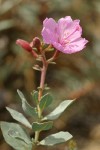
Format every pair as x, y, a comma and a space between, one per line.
36, 43
24, 44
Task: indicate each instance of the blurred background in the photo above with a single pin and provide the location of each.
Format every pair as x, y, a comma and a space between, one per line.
74, 76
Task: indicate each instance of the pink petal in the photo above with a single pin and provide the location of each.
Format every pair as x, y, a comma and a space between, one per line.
75, 46
58, 46
79, 28
49, 31
46, 36
67, 27
74, 36
62, 25
72, 27
50, 24
68, 18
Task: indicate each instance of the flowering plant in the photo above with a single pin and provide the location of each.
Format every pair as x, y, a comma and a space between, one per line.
62, 36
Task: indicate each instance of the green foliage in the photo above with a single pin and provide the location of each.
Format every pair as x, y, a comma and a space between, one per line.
16, 136
35, 96
29, 110
45, 101
57, 138
36, 126
58, 111
42, 126
19, 117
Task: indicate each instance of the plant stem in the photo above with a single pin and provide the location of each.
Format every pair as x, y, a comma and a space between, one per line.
43, 75
42, 82
55, 55
36, 136
41, 88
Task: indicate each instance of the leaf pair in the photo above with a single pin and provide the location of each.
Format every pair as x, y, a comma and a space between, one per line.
59, 137
18, 138
45, 101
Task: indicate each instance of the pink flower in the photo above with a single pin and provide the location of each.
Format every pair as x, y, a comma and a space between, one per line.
65, 35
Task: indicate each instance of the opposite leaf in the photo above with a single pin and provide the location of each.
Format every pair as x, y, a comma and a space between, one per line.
12, 138
57, 138
58, 111
45, 101
42, 126
29, 110
35, 96
19, 117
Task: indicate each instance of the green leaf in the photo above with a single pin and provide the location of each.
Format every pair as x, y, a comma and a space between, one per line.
57, 138
42, 126
58, 111
28, 109
19, 133
16, 136
35, 96
45, 101
19, 117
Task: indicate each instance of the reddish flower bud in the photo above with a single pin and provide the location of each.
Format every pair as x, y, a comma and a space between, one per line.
24, 44
36, 43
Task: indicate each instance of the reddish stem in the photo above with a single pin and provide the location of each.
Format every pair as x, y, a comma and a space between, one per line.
42, 81
43, 76
34, 54
55, 55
